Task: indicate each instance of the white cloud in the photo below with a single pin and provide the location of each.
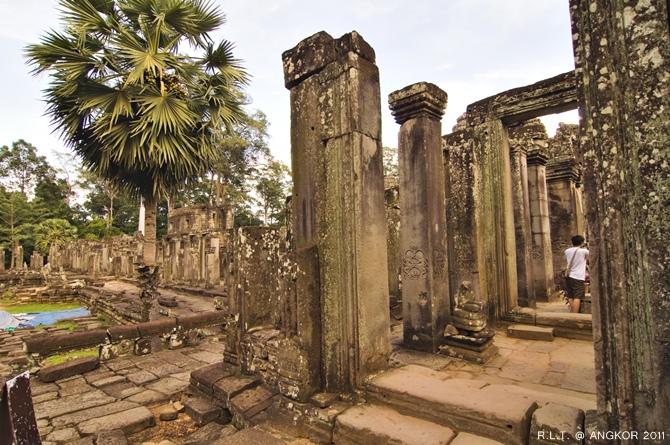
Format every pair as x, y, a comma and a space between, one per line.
470, 48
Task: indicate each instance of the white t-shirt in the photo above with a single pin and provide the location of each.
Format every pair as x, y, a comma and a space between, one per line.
578, 269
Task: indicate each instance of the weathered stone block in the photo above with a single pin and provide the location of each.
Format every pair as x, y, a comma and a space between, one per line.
114, 437
45, 344
124, 347
158, 327
201, 411
204, 378
228, 387
131, 421
377, 424
201, 319
557, 424
531, 332
68, 369
123, 332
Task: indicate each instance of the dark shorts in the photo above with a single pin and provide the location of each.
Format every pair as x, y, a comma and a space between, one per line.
575, 288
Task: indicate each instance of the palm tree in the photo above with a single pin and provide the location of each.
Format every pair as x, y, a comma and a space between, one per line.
53, 232
137, 110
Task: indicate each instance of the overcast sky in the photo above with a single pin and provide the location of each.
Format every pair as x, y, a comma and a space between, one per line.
472, 49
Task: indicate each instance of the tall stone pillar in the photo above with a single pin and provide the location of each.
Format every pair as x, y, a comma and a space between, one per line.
565, 205
338, 199
392, 201
2, 258
418, 109
622, 55
543, 266
518, 137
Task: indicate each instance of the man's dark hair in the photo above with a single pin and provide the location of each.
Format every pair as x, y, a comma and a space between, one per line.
577, 240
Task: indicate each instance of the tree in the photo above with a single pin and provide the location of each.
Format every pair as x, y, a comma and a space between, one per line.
14, 215
134, 108
20, 167
241, 150
53, 232
390, 161
52, 197
272, 189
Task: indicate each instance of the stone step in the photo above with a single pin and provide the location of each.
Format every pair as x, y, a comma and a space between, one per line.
567, 325
498, 412
377, 424
203, 379
248, 406
527, 332
202, 412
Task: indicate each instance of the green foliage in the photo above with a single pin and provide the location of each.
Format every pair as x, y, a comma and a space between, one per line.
107, 202
15, 307
53, 232
15, 218
69, 325
272, 188
135, 109
21, 168
390, 161
62, 358
98, 229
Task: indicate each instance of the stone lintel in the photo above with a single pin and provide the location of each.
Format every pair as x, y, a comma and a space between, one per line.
311, 55
419, 99
564, 167
537, 156
553, 95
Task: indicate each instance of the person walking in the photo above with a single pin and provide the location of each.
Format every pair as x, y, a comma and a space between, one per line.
577, 258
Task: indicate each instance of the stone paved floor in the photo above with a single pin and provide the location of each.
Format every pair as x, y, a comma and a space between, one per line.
120, 391
113, 393
564, 368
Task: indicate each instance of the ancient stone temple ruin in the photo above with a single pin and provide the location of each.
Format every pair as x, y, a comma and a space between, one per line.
471, 238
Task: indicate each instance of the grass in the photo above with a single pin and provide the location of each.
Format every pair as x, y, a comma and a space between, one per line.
62, 358
69, 325
14, 307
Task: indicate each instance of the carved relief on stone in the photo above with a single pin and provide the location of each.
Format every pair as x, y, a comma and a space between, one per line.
414, 265
423, 299
439, 263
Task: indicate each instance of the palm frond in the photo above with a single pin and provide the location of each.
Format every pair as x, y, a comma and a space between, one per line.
83, 17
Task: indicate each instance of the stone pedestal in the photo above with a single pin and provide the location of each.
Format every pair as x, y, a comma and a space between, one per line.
338, 200
423, 235
468, 336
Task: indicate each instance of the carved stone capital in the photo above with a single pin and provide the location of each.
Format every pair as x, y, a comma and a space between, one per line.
564, 168
537, 156
419, 99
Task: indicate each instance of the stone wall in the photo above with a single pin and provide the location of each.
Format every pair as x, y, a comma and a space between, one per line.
564, 191
138, 339
192, 246
110, 256
622, 56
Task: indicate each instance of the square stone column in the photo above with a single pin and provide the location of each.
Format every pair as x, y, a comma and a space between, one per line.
338, 200
622, 55
418, 109
565, 205
520, 200
543, 267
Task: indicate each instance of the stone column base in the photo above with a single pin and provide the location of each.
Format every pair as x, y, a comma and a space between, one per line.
466, 352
